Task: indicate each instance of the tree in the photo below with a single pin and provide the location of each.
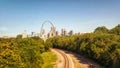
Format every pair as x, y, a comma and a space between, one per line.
101, 29
116, 30
19, 36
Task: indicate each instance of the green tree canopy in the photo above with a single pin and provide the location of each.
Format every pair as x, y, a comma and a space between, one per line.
116, 30
101, 29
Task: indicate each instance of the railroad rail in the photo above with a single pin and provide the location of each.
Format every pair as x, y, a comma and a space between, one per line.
66, 65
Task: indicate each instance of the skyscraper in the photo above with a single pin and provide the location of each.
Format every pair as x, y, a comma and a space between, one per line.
71, 32
24, 34
63, 32
32, 34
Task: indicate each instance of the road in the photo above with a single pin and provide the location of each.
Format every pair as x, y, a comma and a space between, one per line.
68, 59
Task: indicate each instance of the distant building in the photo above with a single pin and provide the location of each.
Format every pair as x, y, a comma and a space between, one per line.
48, 35
56, 33
77, 33
5, 37
63, 32
71, 32
43, 33
32, 34
52, 32
37, 34
24, 34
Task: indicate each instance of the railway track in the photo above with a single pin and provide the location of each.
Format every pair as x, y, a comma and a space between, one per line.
72, 60
66, 63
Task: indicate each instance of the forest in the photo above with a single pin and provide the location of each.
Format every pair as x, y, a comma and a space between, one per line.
24, 53
102, 45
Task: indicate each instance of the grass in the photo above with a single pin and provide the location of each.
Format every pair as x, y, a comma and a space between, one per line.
49, 58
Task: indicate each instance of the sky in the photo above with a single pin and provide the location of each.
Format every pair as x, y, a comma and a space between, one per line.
77, 15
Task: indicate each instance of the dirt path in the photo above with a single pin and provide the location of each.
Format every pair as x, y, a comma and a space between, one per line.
64, 60
76, 60
81, 62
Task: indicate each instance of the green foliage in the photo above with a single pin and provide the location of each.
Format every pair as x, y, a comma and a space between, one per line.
101, 29
102, 46
48, 57
19, 36
116, 30
22, 53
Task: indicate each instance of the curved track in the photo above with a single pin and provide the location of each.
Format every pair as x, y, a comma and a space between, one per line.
66, 60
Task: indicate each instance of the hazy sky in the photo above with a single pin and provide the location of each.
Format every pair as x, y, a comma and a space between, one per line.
78, 15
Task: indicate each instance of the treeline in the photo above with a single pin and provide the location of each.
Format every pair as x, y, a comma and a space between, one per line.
22, 53
102, 46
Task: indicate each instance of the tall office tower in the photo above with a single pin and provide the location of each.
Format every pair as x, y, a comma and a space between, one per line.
71, 32
65, 32
56, 33
32, 34
62, 32
24, 34
79, 33
48, 35
52, 32
43, 33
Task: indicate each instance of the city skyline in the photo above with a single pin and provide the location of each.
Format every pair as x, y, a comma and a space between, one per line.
78, 15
